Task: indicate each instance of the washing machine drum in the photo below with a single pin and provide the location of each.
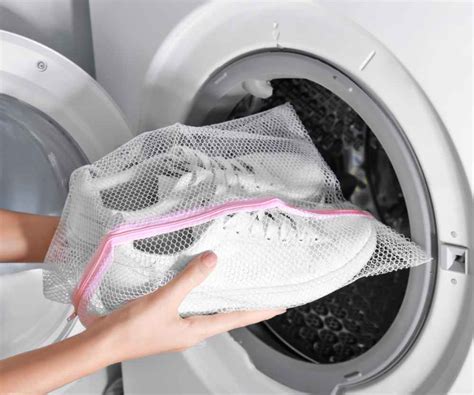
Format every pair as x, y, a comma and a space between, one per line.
47, 129
350, 321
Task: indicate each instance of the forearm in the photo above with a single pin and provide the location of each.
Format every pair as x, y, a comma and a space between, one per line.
25, 237
53, 366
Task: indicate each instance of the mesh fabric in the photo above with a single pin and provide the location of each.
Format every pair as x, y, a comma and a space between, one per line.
268, 257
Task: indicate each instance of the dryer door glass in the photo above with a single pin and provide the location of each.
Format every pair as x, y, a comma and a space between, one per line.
36, 158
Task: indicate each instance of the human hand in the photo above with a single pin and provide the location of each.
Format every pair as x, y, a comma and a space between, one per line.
148, 325
151, 324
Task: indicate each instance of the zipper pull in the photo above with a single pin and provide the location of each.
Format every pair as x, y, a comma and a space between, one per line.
72, 316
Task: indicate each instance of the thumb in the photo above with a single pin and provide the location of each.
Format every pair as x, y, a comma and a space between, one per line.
197, 270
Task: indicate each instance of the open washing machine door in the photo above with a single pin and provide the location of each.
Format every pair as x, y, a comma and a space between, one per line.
53, 118
406, 332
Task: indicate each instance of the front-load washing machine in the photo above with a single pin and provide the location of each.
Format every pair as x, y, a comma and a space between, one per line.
384, 90
53, 118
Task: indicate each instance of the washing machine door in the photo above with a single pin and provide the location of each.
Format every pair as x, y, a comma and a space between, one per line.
343, 83
53, 118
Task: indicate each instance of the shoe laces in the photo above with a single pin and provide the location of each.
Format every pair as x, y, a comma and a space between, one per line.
193, 167
272, 226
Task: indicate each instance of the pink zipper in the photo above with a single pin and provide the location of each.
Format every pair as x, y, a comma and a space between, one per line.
102, 258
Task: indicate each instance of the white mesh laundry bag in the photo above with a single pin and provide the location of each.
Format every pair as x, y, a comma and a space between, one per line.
253, 190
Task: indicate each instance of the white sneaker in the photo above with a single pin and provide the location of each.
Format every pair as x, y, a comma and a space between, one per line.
266, 259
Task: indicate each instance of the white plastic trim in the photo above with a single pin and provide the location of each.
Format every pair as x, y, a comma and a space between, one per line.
46, 80
53, 84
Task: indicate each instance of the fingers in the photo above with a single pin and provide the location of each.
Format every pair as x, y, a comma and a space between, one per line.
194, 274
211, 325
